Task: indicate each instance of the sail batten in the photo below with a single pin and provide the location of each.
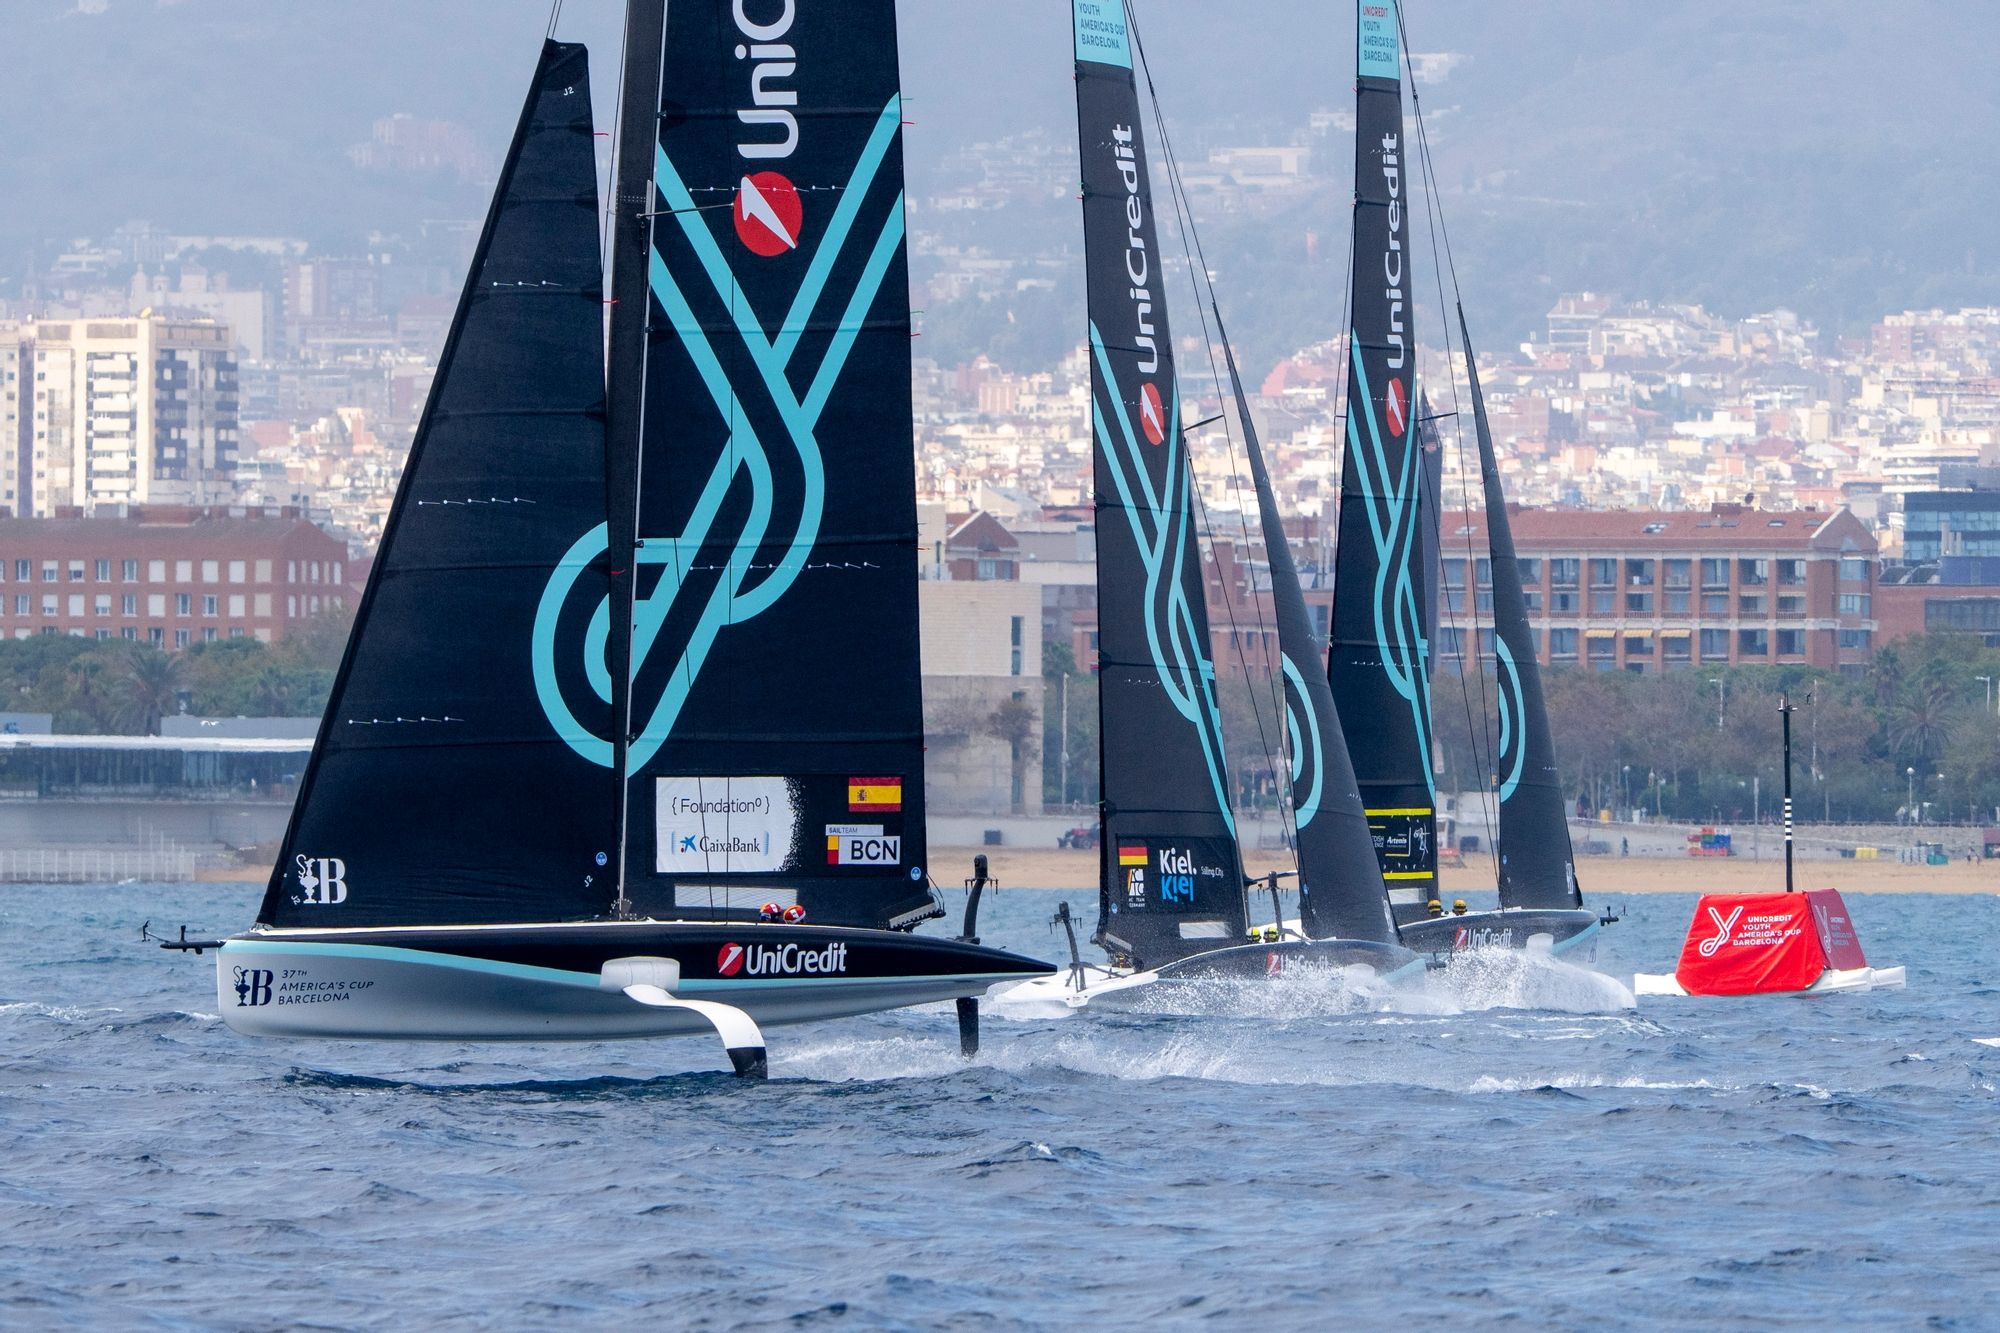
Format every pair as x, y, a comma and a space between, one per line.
1171, 881
474, 807
1379, 665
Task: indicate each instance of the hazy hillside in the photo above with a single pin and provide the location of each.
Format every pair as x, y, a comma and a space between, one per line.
1742, 153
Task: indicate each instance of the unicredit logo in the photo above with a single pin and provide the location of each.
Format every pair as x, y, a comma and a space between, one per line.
781, 960
768, 214
1152, 417
1396, 407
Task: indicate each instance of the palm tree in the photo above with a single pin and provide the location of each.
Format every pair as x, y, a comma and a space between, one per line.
150, 689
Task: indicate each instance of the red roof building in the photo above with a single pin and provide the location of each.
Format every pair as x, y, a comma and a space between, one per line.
168, 576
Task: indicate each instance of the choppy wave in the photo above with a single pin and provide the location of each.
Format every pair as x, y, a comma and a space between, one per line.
1261, 1154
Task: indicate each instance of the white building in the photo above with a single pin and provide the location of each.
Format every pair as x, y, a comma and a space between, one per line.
105, 412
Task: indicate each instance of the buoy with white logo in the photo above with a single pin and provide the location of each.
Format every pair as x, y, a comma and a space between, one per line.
1786, 943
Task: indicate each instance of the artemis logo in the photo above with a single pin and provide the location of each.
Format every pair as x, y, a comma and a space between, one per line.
1723, 926
780, 960
1152, 416
1396, 407
768, 214
322, 880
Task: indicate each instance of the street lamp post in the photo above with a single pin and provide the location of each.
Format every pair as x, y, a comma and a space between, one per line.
1721, 684
1911, 803
1987, 681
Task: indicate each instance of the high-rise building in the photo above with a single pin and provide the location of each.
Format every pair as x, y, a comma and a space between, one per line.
134, 410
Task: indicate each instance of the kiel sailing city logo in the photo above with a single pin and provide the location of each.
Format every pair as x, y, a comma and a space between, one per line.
717, 326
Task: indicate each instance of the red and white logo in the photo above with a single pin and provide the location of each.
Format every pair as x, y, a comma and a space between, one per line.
1394, 405
729, 960
1152, 416
768, 214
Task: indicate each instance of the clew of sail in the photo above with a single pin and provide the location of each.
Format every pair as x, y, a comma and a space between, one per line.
1537, 864
438, 791
1380, 658
1172, 879
1340, 883
774, 737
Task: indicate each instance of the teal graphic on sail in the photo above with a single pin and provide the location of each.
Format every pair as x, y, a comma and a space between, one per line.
749, 586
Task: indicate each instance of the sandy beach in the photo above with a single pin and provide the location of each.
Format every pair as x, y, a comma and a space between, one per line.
1040, 868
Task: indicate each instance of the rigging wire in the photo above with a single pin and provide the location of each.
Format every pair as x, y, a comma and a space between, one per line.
555, 15
1199, 278
1440, 266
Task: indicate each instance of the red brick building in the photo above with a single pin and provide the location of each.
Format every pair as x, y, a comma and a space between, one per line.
168, 576
1643, 590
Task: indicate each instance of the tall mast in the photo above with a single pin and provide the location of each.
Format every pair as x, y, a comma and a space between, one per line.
1172, 882
631, 209
1380, 661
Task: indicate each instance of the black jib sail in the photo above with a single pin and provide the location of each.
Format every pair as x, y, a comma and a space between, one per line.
1537, 866
437, 792
1172, 881
1380, 669
774, 731
1340, 883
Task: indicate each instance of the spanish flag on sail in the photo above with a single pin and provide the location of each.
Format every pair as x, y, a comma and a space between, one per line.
1131, 856
874, 794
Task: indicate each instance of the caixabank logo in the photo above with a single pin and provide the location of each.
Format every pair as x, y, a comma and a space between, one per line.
781, 960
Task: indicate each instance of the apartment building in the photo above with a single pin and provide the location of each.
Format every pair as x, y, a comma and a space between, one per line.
168, 576
1642, 590
106, 412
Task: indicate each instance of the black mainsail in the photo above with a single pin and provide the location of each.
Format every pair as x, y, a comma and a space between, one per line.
1171, 879
437, 792
1340, 883
774, 723
626, 742
1380, 665
1537, 864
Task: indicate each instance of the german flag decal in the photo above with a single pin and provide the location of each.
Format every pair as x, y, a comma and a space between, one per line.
874, 794
1131, 856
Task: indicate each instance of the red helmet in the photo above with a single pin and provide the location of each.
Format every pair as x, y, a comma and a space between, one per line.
794, 914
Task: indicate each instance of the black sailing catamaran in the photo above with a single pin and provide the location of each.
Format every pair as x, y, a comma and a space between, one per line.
1172, 898
1385, 582
627, 740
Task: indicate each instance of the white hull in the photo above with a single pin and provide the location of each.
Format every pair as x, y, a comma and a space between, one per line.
1830, 981
275, 987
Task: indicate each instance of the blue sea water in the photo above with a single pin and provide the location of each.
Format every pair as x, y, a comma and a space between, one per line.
1510, 1142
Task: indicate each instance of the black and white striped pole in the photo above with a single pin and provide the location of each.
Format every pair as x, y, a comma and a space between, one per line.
1785, 710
